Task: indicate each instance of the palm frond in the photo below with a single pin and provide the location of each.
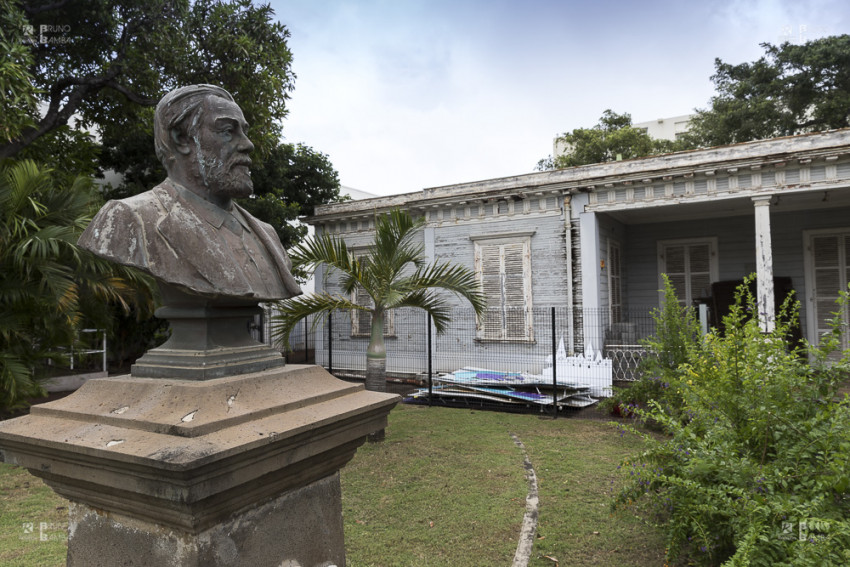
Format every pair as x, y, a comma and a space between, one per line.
436, 306
456, 279
293, 310
395, 245
43, 274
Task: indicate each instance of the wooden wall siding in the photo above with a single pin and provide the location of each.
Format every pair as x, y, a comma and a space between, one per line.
453, 243
736, 242
453, 226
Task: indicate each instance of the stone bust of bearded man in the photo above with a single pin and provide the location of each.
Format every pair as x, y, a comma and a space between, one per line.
187, 232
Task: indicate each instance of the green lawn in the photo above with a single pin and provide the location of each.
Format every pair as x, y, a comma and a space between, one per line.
447, 487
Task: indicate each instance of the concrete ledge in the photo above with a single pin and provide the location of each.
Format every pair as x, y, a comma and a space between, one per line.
188, 454
71, 382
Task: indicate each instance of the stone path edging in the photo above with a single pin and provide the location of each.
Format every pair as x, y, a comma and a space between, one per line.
529, 522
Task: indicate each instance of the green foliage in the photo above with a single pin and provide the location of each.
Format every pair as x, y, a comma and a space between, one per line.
676, 337
393, 272
612, 139
792, 89
109, 62
48, 286
289, 183
18, 95
757, 453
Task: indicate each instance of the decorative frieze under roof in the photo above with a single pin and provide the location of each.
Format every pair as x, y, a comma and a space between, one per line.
811, 162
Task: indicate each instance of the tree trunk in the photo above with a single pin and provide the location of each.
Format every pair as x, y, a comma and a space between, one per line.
376, 364
376, 355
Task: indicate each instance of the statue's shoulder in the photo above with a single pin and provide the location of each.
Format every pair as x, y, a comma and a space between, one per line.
144, 206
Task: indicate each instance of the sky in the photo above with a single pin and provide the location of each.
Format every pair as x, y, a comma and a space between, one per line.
407, 94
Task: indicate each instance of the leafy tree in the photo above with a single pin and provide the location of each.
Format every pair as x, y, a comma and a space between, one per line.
290, 182
393, 272
792, 89
18, 94
49, 286
107, 63
613, 138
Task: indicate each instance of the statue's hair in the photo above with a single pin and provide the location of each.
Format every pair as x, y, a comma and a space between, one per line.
181, 109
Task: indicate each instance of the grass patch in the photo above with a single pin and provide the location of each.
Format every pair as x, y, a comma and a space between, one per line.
33, 521
447, 487
461, 470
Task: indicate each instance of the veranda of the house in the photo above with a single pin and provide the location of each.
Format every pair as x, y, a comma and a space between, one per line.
784, 216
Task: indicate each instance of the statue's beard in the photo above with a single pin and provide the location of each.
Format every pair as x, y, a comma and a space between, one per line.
231, 179
227, 180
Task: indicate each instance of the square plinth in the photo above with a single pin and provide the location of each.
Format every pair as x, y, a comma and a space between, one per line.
188, 455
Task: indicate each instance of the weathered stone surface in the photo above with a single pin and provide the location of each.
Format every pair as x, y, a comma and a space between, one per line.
210, 338
187, 231
190, 454
212, 452
301, 527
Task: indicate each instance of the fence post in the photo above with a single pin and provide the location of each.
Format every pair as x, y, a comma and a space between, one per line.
430, 379
554, 370
330, 342
306, 346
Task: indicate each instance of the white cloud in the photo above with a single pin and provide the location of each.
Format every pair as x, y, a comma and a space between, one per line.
406, 95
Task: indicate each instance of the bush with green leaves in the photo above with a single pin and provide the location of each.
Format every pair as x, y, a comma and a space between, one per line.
676, 335
49, 287
754, 470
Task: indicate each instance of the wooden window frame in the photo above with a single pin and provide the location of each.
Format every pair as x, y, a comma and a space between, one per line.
713, 262
811, 298
481, 244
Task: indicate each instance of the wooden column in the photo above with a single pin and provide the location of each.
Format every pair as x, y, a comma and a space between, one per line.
764, 265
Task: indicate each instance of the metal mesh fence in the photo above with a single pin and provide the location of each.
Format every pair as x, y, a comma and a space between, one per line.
543, 358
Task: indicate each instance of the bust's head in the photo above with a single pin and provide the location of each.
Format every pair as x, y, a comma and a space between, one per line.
200, 138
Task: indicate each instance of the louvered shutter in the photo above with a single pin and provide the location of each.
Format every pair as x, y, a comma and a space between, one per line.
513, 289
361, 321
491, 284
615, 293
676, 270
688, 266
699, 271
831, 264
504, 272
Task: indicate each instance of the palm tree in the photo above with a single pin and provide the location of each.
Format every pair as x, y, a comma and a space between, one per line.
49, 286
393, 272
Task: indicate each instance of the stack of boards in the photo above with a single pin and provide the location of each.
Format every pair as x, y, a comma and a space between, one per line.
510, 388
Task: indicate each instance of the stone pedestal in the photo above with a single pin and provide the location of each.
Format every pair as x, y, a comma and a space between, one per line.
210, 338
302, 527
241, 470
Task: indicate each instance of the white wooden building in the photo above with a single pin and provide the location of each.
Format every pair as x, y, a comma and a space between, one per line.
597, 238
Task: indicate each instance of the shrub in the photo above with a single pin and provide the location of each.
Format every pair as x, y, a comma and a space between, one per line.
755, 468
676, 338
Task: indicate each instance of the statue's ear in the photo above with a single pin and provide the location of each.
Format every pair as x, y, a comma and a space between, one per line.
181, 140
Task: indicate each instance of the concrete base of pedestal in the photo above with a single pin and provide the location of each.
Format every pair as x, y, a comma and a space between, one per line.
241, 470
301, 528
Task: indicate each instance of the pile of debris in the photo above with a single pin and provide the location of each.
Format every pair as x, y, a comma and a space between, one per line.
569, 382
506, 388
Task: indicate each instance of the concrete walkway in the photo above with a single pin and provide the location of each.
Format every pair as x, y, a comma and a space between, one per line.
529, 522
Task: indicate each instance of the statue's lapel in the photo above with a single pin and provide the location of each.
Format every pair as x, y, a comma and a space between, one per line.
193, 235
